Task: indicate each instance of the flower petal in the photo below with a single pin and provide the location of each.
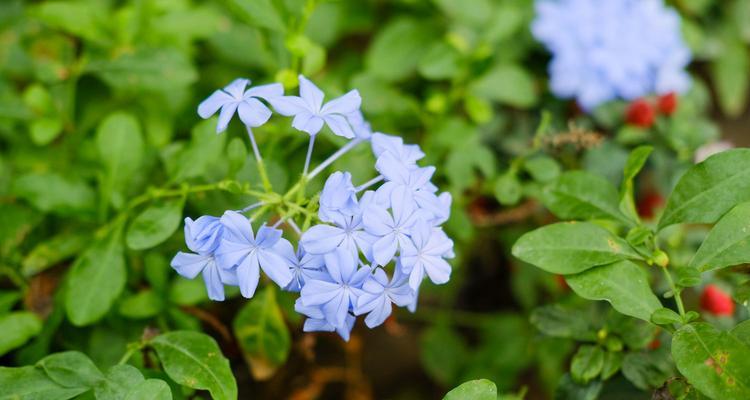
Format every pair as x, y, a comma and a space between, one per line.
339, 126
227, 111
189, 265
253, 113
265, 91
310, 93
346, 104
322, 239
213, 103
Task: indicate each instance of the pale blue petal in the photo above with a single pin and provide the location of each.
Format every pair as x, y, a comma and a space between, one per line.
227, 111
322, 239
267, 91
248, 275
346, 104
189, 265
253, 113
310, 93
307, 122
288, 105
237, 88
238, 227
214, 286
275, 266
384, 249
213, 103
317, 293
267, 236
339, 126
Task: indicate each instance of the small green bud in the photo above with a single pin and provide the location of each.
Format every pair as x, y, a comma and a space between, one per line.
660, 258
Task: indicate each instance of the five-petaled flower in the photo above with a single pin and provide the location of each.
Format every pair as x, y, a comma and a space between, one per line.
234, 98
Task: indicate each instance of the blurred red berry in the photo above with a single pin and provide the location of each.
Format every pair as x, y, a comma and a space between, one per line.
640, 113
648, 204
667, 103
655, 344
716, 301
560, 280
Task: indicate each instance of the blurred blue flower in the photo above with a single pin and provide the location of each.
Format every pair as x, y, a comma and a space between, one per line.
305, 266
603, 50
415, 182
362, 128
337, 294
310, 113
378, 295
408, 154
203, 235
240, 249
425, 254
338, 197
234, 98
391, 230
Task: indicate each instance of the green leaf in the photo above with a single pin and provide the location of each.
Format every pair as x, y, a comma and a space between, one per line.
163, 69
729, 73
205, 149
568, 389
728, 242
154, 225
120, 145
262, 334
71, 369
647, 370
542, 168
53, 193
80, 19
119, 381
583, 195
44, 130
194, 359
506, 84
709, 189
50, 252
150, 389
17, 328
508, 189
398, 47
560, 321
31, 383
441, 61
587, 363
665, 316
623, 284
612, 364
571, 247
715, 362
144, 304
742, 332
479, 389
474, 13
635, 163
96, 279
443, 353
260, 13
186, 292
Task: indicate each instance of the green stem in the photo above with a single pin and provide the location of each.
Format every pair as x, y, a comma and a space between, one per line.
264, 175
677, 293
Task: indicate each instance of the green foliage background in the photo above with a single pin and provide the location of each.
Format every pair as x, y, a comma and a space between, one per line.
102, 154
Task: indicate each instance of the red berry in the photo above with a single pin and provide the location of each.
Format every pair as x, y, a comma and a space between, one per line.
648, 204
655, 344
560, 280
716, 301
640, 113
667, 103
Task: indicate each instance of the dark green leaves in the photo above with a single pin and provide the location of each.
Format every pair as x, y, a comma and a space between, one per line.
728, 243
715, 362
154, 225
710, 189
17, 328
32, 383
194, 359
583, 195
120, 144
398, 47
571, 247
54, 193
480, 389
262, 334
71, 369
587, 363
96, 280
623, 284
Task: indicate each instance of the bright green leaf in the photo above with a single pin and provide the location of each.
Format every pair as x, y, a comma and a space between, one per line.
398, 47
506, 84
154, 225
150, 389
144, 304
729, 73
119, 381
623, 284
571, 247
480, 389
17, 328
665, 316
583, 195
587, 363
31, 383
194, 359
71, 369
728, 243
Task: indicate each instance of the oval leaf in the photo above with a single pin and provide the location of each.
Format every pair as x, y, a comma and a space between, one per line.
262, 334
583, 195
571, 247
71, 369
709, 189
154, 225
728, 243
32, 383
715, 362
151, 389
479, 389
17, 328
95, 281
623, 284
194, 359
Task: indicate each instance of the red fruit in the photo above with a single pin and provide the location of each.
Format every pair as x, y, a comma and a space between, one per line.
655, 344
667, 103
716, 301
648, 204
560, 280
640, 113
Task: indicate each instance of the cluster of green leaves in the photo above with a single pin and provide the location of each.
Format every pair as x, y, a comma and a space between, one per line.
190, 359
607, 253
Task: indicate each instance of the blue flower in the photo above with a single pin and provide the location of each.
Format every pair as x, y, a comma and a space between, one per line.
378, 295
316, 321
425, 254
305, 266
603, 50
337, 294
338, 197
241, 250
408, 154
391, 230
203, 235
347, 233
362, 128
415, 182
310, 113
234, 98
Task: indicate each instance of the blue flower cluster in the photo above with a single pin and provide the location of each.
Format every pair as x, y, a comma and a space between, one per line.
603, 50
339, 266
